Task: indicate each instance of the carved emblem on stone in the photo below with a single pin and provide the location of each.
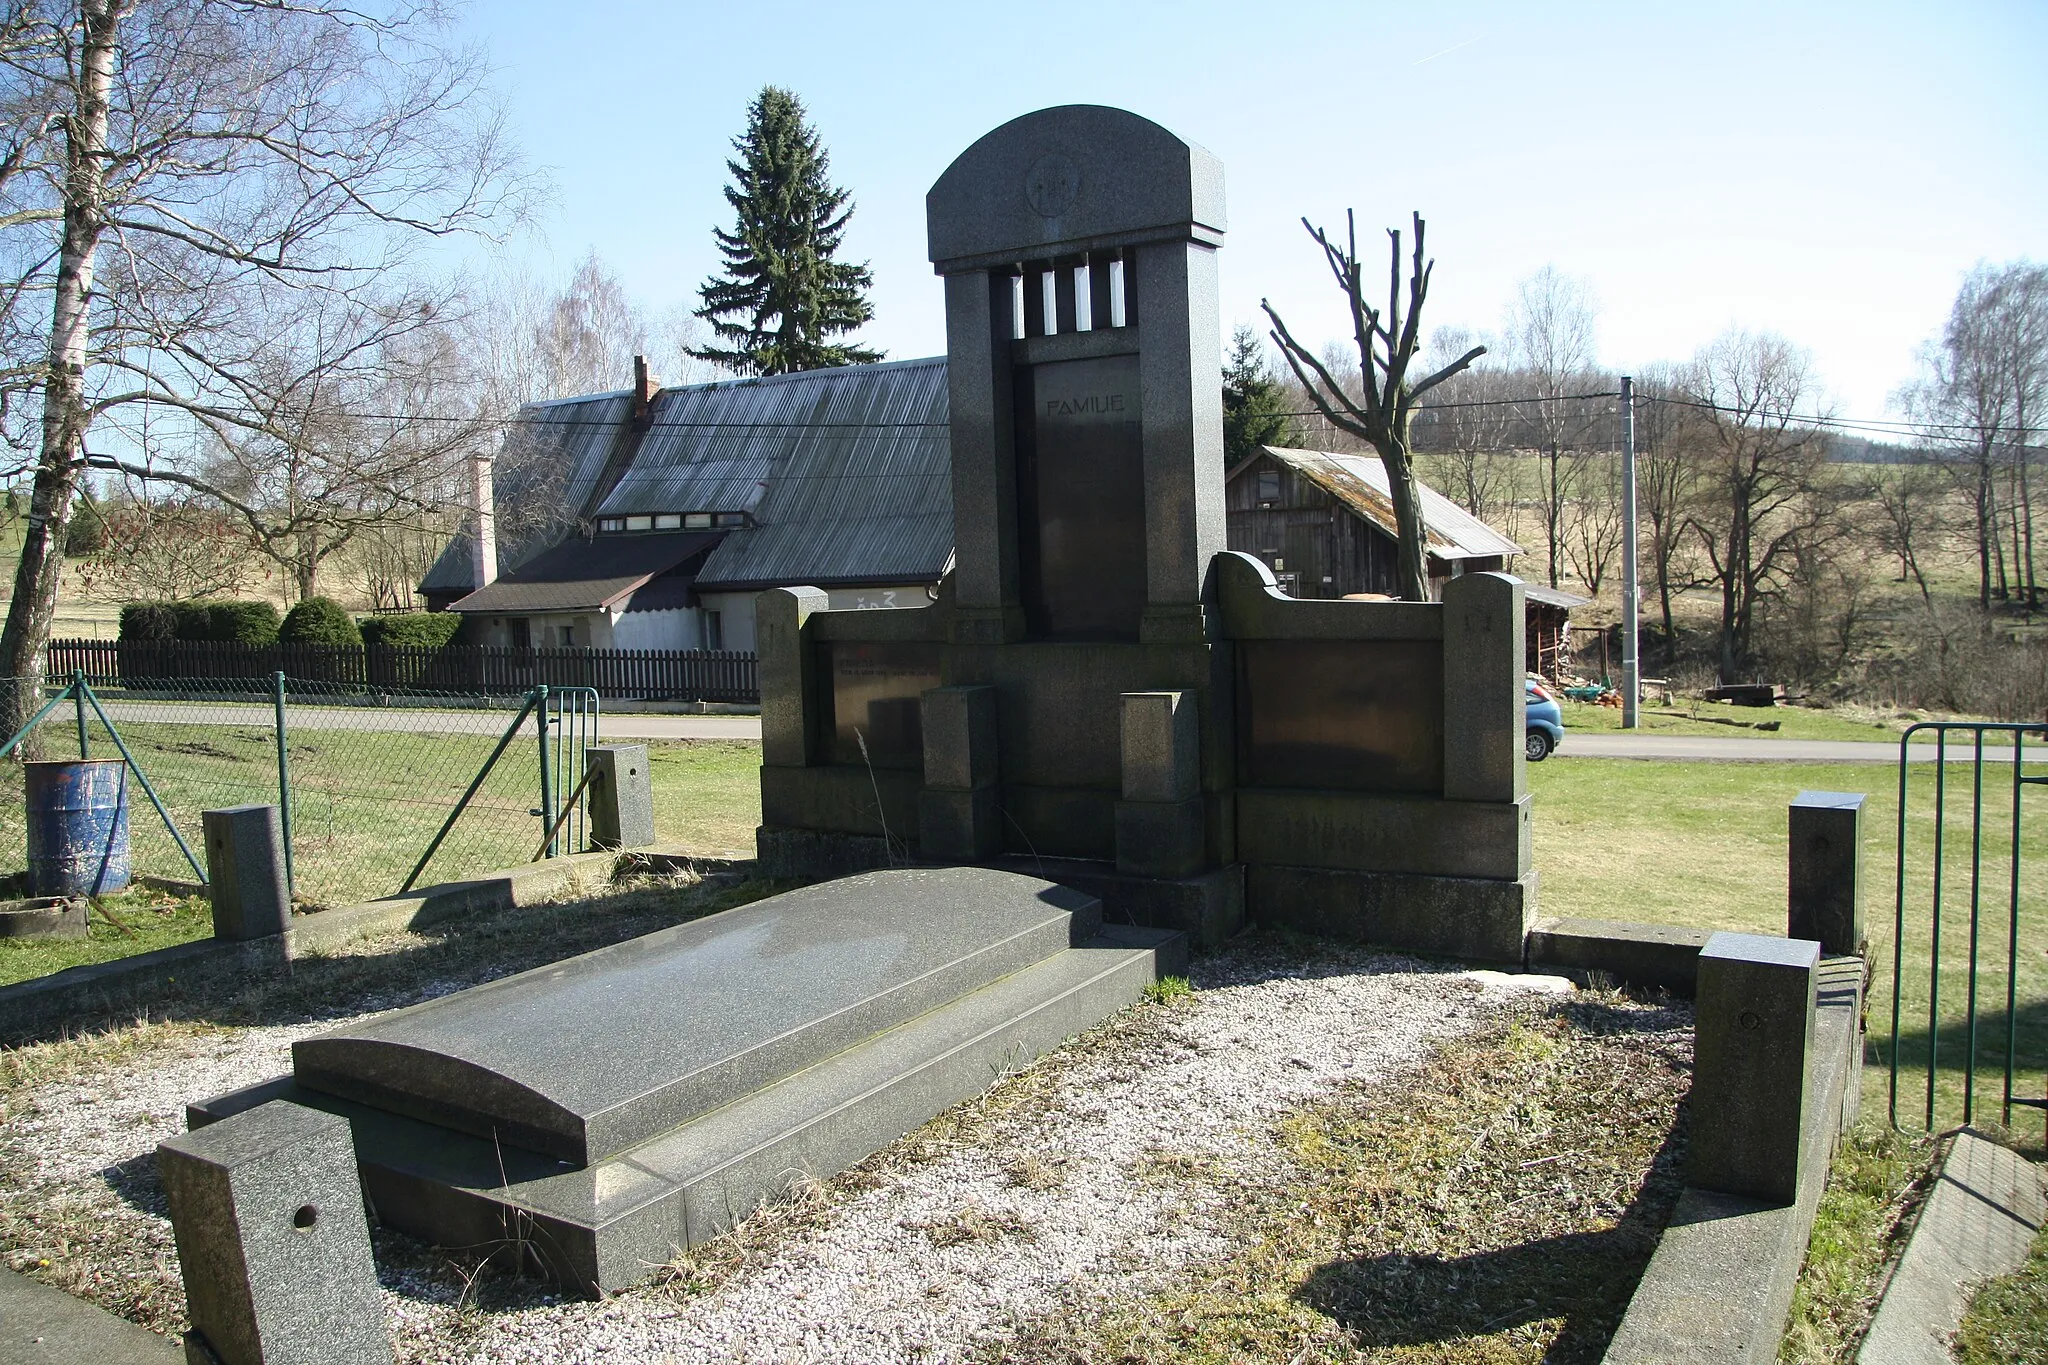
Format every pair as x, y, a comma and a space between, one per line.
1051, 185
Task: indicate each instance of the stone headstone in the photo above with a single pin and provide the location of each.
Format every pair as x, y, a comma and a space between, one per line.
272, 1240
1754, 1006
620, 798
1824, 871
245, 872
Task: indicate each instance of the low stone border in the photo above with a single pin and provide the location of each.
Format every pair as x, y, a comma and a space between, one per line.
1657, 955
48, 1004
44, 1326
1719, 1287
1979, 1220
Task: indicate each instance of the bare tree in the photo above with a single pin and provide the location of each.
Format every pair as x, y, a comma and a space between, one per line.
1667, 476
1910, 503
1592, 536
1384, 409
175, 548
176, 156
1467, 429
1550, 344
1759, 491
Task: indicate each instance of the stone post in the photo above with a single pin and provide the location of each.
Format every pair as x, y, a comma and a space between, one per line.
789, 682
272, 1242
959, 810
245, 872
1160, 822
1824, 874
619, 799
1483, 663
1752, 1083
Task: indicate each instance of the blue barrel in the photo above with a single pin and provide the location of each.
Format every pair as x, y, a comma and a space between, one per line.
77, 827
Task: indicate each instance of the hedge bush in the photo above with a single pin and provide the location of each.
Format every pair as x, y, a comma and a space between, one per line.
414, 629
149, 621
242, 623
319, 621
194, 620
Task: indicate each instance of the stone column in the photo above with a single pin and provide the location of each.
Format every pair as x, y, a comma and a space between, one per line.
245, 872
789, 681
272, 1242
1824, 873
1182, 414
1483, 668
959, 809
1752, 1083
620, 797
1160, 822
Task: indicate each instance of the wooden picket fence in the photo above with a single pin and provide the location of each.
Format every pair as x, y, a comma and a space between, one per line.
620, 674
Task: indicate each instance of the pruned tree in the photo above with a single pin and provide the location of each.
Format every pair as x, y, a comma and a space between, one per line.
1381, 411
172, 159
783, 295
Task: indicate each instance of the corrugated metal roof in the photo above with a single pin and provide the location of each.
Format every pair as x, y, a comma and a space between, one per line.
1360, 483
848, 473
1555, 597
581, 574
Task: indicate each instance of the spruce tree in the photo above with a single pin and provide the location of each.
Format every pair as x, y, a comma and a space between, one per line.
1254, 403
783, 296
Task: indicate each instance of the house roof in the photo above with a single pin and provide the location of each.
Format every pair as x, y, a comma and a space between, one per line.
1359, 482
1553, 597
582, 575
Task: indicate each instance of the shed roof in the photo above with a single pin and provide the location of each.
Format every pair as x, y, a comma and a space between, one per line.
1360, 483
582, 575
1553, 597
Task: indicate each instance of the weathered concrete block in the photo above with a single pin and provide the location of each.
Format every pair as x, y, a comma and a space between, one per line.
1824, 871
1485, 921
1483, 661
271, 1238
959, 826
620, 798
781, 852
960, 738
1665, 955
53, 917
245, 872
789, 685
1752, 1084
1162, 748
1161, 838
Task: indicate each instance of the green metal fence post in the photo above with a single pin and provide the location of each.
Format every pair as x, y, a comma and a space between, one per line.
33, 721
547, 786
284, 783
143, 778
78, 703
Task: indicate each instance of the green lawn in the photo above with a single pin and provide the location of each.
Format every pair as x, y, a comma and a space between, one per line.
153, 920
1689, 717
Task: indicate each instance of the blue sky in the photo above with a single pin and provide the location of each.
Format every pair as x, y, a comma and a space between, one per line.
1828, 171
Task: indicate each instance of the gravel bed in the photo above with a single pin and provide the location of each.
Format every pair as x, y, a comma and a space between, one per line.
1096, 1172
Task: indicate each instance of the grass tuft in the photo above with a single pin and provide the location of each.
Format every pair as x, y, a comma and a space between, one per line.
1877, 1178
2007, 1320
1168, 990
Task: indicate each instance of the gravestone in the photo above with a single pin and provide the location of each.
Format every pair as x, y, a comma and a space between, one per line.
1754, 1010
603, 1112
1349, 767
1824, 871
245, 872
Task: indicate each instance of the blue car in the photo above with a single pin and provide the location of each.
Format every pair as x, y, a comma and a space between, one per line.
1545, 721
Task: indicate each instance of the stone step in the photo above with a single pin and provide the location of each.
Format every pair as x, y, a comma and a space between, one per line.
584, 1058
603, 1227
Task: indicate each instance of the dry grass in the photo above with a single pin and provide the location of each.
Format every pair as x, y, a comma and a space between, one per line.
1877, 1179
1497, 1206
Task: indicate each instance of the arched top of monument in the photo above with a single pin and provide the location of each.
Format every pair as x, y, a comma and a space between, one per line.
1076, 178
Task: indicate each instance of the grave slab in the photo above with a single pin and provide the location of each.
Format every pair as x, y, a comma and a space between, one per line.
584, 1058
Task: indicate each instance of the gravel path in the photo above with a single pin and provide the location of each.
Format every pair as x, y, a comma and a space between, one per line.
1095, 1173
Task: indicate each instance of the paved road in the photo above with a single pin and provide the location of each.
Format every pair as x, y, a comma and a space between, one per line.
646, 725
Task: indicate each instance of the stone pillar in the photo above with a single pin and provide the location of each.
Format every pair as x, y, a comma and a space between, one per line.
1483, 665
1160, 822
620, 796
1824, 873
1180, 367
1752, 1079
959, 809
789, 681
245, 872
272, 1241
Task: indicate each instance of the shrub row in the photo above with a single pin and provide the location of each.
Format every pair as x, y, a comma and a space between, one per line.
315, 621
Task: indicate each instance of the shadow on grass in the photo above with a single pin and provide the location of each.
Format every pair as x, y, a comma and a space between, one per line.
2029, 1029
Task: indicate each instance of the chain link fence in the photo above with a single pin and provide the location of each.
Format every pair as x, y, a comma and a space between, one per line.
372, 775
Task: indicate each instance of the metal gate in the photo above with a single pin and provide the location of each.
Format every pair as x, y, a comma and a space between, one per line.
1969, 1001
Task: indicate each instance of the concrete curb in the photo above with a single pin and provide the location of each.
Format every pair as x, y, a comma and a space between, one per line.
1979, 1220
46, 1005
44, 1326
1719, 1287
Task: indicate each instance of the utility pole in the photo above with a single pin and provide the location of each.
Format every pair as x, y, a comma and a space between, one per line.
1631, 662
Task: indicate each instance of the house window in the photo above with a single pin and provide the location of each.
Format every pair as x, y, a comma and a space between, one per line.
697, 521
612, 524
667, 521
714, 631
639, 523
732, 518
1269, 485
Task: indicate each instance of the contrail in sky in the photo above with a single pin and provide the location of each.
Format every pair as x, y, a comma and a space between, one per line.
1447, 51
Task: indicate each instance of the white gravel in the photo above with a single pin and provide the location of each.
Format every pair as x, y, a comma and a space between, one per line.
1111, 1174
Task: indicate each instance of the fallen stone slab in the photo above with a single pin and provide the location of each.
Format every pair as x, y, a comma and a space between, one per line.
44, 1326
1986, 1206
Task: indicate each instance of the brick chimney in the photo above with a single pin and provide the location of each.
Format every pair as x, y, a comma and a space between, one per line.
645, 386
483, 520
